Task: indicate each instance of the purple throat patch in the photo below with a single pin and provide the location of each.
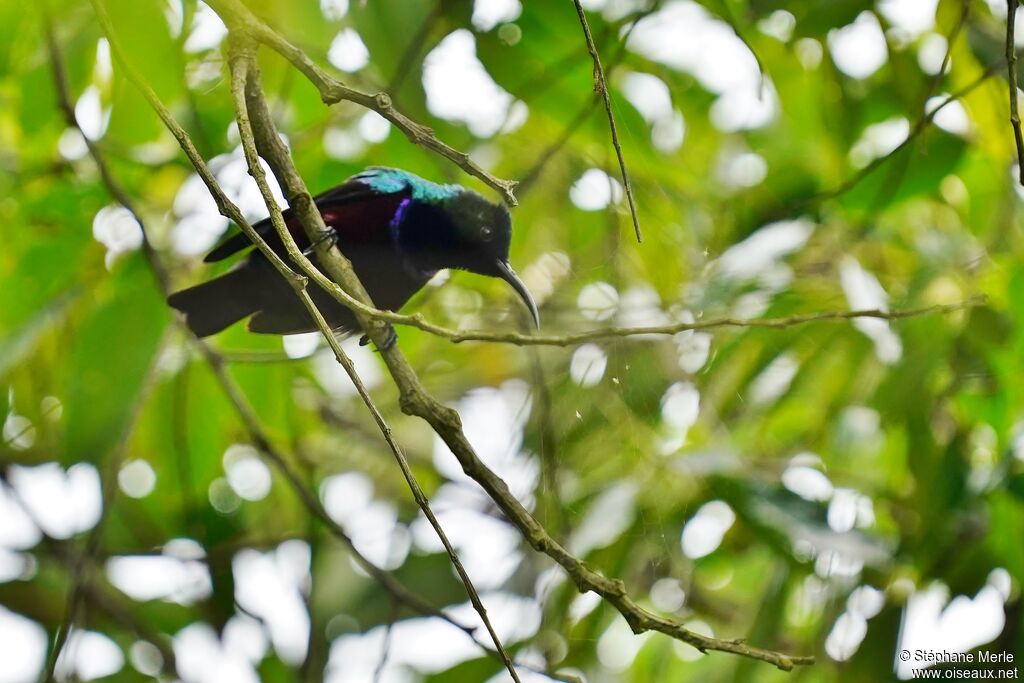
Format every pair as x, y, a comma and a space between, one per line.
394, 227
396, 220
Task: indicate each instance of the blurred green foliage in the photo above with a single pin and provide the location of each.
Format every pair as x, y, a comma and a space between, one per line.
930, 438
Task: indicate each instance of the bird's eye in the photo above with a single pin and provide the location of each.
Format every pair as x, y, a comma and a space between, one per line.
486, 233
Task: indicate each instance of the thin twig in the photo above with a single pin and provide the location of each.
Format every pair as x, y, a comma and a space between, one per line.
405, 62
90, 590
573, 339
418, 322
415, 400
445, 421
574, 125
10, 440
333, 91
127, 616
922, 124
730, 19
556, 146
1011, 67
601, 87
896, 174
60, 81
250, 105
385, 650
235, 396
78, 573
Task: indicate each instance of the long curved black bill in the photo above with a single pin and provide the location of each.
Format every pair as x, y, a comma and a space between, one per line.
508, 275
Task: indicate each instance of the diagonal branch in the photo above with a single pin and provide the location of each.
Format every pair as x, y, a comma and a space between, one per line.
408, 58
445, 421
601, 87
78, 591
88, 585
217, 362
728, 17
896, 174
333, 91
415, 400
922, 124
458, 336
531, 176
246, 92
67, 107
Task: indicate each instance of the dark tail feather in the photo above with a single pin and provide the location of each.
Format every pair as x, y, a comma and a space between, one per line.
212, 306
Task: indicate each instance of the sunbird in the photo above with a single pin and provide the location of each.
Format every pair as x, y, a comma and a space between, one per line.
396, 228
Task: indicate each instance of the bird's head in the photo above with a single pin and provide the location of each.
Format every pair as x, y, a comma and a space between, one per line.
483, 232
475, 236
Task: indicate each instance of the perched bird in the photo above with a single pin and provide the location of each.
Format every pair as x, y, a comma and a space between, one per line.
396, 228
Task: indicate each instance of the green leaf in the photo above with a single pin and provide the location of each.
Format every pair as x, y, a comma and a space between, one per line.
109, 356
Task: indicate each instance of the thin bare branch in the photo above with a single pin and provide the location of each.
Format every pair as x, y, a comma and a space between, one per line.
601, 87
67, 107
104, 599
700, 325
729, 18
444, 420
90, 590
250, 105
531, 176
554, 147
919, 127
385, 650
78, 589
1011, 68
598, 334
412, 50
217, 363
333, 91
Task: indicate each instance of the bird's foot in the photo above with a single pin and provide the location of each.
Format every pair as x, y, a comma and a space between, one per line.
389, 343
331, 235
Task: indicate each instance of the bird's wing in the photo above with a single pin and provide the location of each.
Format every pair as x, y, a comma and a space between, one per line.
355, 206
